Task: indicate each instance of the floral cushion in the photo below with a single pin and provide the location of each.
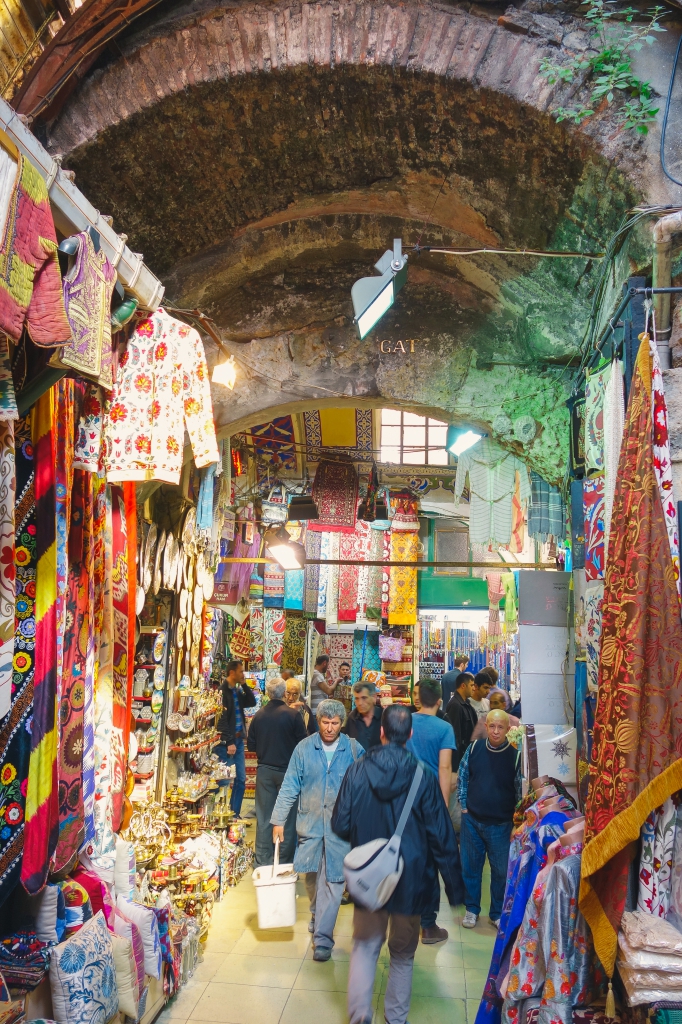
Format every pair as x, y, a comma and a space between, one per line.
83, 977
145, 920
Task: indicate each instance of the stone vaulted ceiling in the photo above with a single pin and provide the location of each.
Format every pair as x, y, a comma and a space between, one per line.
263, 157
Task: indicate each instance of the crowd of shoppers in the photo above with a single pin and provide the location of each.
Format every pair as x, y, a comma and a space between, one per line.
327, 783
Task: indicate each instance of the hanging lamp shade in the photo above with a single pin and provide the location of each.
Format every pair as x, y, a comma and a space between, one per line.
302, 506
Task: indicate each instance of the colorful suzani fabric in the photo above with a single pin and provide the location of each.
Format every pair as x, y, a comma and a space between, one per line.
595, 387
656, 860
593, 503
594, 596
662, 462
15, 727
7, 567
402, 607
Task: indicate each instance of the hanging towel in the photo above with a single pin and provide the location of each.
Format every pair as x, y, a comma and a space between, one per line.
205, 502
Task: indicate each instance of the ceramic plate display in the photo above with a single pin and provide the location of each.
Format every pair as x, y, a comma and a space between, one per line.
180, 634
189, 527
159, 646
209, 586
157, 561
196, 627
159, 677
201, 568
180, 569
178, 667
189, 581
157, 701
195, 675
151, 735
198, 599
186, 724
139, 599
194, 654
167, 560
184, 599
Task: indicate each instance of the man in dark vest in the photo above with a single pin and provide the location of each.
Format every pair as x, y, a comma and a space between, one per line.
489, 788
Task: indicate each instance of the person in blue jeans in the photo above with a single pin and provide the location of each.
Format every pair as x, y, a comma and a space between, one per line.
232, 728
489, 789
432, 742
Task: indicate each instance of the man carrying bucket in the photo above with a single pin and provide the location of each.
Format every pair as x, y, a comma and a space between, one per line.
313, 778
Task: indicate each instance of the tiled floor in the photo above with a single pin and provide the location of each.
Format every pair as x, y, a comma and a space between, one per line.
268, 977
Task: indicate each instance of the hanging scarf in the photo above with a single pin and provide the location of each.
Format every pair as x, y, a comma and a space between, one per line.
7, 569
402, 606
131, 534
347, 608
42, 804
15, 736
662, 462
93, 485
332, 602
335, 492
614, 421
121, 716
293, 648
311, 573
638, 724
273, 636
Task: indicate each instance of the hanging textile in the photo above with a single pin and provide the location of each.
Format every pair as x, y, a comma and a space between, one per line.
582, 727
293, 589
335, 492
373, 595
42, 804
363, 543
7, 569
511, 620
293, 648
495, 594
348, 579
273, 585
662, 462
64, 426
311, 573
614, 422
594, 597
546, 511
93, 485
30, 280
636, 735
88, 447
88, 287
656, 860
325, 547
256, 645
274, 624
131, 538
333, 581
386, 575
402, 606
340, 649
8, 398
576, 405
15, 736
205, 500
369, 641
593, 501
595, 387
120, 724
518, 529
492, 481
577, 525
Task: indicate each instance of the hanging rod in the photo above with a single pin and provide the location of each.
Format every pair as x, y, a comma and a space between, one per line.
509, 566
73, 213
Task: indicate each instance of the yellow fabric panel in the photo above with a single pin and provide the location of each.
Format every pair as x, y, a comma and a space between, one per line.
338, 428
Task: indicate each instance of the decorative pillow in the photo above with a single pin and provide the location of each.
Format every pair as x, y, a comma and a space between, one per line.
100, 898
46, 911
78, 908
126, 976
83, 978
124, 878
122, 926
145, 920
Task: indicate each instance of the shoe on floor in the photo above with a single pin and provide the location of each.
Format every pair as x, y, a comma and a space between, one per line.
434, 934
311, 925
345, 899
322, 954
469, 920
495, 924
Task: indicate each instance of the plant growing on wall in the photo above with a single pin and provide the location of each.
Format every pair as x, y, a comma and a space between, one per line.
614, 39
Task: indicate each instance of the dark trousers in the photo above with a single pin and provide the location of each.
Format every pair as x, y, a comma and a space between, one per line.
268, 785
430, 911
475, 841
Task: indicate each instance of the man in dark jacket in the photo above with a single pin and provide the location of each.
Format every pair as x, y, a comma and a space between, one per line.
364, 722
274, 732
232, 728
368, 806
462, 716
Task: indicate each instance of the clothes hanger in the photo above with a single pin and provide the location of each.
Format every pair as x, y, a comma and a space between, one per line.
576, 836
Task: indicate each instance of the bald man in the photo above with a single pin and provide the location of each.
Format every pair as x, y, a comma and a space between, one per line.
489, 788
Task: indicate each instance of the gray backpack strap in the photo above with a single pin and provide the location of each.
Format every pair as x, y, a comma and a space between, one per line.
411, 797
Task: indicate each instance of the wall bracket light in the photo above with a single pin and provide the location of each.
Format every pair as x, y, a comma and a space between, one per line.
460, 438
373, 296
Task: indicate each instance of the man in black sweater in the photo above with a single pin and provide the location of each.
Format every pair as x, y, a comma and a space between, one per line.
462, 715
364, 722
274, 732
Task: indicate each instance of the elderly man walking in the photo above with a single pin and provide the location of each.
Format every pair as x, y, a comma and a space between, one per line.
273, 734
295, 701
313, 779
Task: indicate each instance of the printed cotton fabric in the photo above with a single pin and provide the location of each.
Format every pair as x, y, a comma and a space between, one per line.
161, 387
546, 511
274, 624
656, 860
402, 602
335, 492
594, 596
662, 462
638, 725
595, 387
7, 569
293, 650
614, 422
593, 502
273, 585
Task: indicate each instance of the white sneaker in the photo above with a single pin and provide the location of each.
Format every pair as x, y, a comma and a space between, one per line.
469, 920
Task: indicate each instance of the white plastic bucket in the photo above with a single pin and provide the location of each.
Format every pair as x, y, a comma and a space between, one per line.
276, 893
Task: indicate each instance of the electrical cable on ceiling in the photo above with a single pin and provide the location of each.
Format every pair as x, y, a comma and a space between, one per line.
664, 126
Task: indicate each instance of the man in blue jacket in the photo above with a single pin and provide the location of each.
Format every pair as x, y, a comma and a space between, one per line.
369, 804
313, 778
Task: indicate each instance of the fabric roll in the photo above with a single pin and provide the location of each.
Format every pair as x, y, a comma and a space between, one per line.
15, 735
402, 607
593, 502
614, 422
7, 568
662, 461
638, 728
42, 804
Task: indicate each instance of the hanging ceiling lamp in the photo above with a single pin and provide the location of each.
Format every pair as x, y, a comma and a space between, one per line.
225, 373
302, 506
374, 296
459, 439
283, 549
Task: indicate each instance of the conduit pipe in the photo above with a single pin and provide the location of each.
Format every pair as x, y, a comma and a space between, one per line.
663, 232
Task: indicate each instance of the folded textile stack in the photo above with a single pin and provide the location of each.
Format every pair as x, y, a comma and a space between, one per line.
650, 959
24, 960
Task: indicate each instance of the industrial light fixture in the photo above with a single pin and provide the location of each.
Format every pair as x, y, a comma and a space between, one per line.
286, 552
459, 439
373, 296
225, 373
301, 507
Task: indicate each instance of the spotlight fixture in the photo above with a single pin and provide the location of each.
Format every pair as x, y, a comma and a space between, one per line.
459, 439
286, 552
373, 296
225, 373
301, 507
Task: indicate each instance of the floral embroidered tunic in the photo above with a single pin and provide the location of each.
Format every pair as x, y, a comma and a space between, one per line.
161, 386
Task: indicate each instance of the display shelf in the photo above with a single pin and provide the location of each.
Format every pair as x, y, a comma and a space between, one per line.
194, 799
176, 749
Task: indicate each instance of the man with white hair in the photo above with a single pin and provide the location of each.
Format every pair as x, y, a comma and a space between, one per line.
312, 783
273, 734
489, 788
295, 701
